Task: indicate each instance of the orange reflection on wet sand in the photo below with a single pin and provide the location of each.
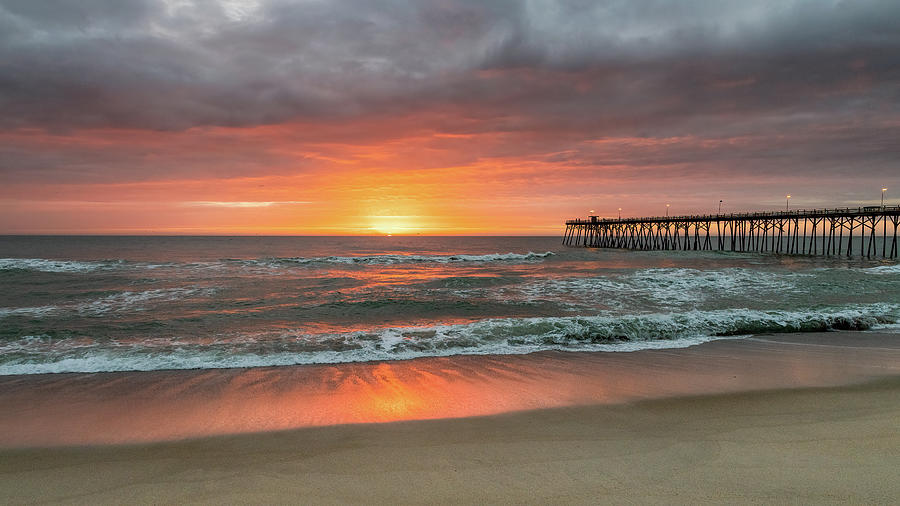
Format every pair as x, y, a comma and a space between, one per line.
390, 399
67, 409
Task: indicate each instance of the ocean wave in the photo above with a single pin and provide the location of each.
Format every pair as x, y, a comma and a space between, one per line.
666, 286
882, 269
130, 301
33, 312
77, 266
42, 354
50, 265
403, 259
117, 302
687, 285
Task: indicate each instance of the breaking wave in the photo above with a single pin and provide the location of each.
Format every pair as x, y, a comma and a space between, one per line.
43, 354
406, 259
882, 269
73, 266
49, 265
117, 302
668, 285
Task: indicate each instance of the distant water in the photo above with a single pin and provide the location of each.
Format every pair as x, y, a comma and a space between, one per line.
90, 304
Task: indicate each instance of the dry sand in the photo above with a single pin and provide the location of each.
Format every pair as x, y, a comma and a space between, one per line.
831, 444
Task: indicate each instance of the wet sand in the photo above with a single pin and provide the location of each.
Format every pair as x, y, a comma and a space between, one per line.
785, 418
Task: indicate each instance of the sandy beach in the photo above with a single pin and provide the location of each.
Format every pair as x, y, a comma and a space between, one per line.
808, 418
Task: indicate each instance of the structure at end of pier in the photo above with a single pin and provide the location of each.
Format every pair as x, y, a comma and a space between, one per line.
864, 231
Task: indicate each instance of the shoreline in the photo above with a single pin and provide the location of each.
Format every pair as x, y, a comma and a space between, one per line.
799, 417
155, 406
818, 444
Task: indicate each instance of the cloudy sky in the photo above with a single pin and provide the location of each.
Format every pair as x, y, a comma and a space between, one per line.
438, 116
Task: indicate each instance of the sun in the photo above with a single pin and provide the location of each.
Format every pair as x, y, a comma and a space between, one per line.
393, 225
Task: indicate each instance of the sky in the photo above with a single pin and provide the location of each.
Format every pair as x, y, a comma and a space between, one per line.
333, 117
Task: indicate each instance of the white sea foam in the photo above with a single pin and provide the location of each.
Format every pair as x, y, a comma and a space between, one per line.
131, 301
688, 285
666, 286
49, 265
73, 266
118, 302
107, 360
402, 259
37, 355
882, 269
35, 311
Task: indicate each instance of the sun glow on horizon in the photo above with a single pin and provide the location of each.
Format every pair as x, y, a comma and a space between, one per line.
394, 225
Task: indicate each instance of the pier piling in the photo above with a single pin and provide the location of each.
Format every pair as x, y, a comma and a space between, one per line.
774, 232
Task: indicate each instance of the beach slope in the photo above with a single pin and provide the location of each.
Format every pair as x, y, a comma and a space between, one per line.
826, 444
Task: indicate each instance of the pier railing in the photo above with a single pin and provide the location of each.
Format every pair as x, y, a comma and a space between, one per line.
865, 231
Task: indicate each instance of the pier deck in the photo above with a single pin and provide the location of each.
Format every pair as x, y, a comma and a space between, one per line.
865, 231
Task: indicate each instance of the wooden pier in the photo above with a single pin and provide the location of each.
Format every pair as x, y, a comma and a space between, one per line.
863, 231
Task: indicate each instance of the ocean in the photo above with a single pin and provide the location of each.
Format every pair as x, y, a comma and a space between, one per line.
99, 304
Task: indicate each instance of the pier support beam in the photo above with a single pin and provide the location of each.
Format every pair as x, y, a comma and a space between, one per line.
778, 232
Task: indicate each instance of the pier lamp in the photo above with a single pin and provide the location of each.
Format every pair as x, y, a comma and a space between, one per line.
720, 207
787, 203
882, 197
667, 210
620, 213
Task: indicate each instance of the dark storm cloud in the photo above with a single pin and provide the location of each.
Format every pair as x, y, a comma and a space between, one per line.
635, 67
99, 91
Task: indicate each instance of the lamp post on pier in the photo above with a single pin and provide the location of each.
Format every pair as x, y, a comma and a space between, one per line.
720, 206
882, 197
667, 210
620, 213
787, 203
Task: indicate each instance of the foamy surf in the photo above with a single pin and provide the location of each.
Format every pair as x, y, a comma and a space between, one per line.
668, 286
601, 333
404, 259
882, 269
73, 266
114, 303
50, 265
96, 304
